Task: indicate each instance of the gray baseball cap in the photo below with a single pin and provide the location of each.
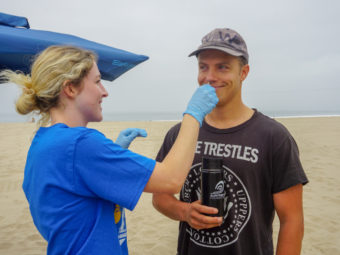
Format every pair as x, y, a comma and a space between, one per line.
226, 40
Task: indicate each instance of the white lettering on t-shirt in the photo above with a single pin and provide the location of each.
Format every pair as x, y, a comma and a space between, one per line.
219, 152
213, 147
198, 147
234, 151
254, 154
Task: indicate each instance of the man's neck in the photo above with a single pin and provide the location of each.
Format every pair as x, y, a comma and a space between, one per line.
228, 117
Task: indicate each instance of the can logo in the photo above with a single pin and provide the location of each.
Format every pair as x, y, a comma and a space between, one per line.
219, 191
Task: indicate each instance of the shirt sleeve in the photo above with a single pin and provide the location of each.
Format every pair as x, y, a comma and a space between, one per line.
287, 168
103, 169
168, 142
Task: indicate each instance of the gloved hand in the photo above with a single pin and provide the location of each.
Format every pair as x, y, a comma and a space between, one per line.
126, 136
202, 102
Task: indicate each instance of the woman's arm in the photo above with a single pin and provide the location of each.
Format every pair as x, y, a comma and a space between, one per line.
169, 175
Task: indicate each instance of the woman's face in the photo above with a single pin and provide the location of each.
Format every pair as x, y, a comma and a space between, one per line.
91, 94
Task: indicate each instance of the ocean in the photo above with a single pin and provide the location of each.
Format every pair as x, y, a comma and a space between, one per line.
165, 116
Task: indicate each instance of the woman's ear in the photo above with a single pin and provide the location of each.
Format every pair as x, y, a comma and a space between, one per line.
69, 89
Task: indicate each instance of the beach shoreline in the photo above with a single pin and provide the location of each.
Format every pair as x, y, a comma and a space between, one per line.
149, 232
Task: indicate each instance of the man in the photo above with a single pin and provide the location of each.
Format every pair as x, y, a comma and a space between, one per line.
261, 166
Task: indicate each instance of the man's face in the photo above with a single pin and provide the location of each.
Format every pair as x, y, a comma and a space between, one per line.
224, 73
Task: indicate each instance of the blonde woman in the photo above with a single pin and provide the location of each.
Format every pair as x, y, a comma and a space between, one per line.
75, 177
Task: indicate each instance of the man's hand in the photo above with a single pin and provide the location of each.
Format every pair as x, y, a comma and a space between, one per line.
126, 136
196, 219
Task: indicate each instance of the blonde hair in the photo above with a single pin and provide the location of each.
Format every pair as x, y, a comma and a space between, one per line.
53, 68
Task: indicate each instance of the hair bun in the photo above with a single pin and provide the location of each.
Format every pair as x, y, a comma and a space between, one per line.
26, 103
28, 91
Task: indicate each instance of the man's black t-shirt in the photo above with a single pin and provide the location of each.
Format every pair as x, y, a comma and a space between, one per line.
260, 158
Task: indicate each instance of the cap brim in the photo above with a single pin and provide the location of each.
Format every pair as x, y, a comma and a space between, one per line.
226, 50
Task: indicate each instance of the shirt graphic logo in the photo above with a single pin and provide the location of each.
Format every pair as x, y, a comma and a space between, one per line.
119, 215
237, 208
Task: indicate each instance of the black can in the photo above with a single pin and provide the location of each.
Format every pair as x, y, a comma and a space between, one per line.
212, 184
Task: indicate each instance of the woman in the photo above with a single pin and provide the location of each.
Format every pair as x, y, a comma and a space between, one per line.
75, 177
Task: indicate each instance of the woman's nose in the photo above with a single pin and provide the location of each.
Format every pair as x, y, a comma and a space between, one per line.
105, 93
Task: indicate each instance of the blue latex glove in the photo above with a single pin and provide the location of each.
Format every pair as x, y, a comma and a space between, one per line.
126, 136
202, 102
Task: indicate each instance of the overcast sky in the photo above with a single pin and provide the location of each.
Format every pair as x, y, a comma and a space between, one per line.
293, 47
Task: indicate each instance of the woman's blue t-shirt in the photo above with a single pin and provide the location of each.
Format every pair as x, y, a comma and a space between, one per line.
77, 183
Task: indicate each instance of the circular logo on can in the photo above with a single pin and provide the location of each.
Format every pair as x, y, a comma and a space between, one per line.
237, 208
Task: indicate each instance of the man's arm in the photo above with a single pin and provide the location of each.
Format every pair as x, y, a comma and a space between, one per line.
192, 213
288, 206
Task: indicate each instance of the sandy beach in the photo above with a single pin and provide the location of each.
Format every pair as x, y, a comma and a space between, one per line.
149, 232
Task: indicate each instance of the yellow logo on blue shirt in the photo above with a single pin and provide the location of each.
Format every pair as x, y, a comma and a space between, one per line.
117, 214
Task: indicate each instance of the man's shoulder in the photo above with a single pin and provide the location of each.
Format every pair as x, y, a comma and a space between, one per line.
272, 130
175, 128
270, 124
173, 132
169, 140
